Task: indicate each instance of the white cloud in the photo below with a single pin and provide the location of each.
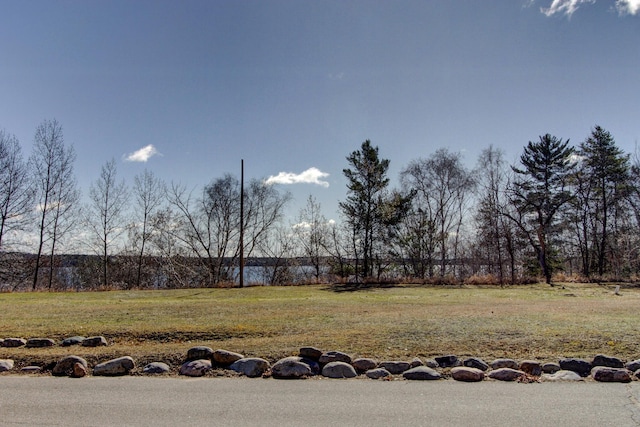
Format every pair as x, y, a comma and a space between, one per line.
142, 155
564, 6
568, 7
310, 176
631, 7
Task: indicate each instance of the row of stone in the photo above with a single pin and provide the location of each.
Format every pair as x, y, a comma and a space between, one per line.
334, 364
96, 341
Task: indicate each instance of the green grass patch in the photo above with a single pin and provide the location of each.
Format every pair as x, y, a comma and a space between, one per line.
398, 322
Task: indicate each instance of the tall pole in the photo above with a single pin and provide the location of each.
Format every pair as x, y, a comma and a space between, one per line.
242, 223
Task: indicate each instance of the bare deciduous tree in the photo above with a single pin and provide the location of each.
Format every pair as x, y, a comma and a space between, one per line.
16, 195
107, 213
148, 191
56, 191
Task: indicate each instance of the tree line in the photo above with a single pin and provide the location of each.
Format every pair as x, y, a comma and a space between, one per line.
561, 212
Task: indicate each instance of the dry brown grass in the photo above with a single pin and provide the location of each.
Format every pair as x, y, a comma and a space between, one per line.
396, 322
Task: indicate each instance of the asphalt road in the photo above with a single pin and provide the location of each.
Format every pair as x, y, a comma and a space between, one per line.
144, 401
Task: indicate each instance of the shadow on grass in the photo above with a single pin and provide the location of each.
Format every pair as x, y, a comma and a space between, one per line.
356, 287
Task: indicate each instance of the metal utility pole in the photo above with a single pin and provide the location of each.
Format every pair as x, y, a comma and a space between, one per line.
242, 223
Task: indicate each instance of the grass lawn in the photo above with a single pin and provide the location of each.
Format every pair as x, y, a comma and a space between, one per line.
401, 322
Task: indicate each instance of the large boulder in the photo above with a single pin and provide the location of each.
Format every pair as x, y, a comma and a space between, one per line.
633, 366
156, 368
467, 374
40, 342
421, 373
610, 375
608, 361
97, 341
531, 367
475, 362
447, 361
199, 352
506, 374
559, 376
120, 366
6, 365
78, 371
364, 364
76, 340
310, 353
195, 368
334, 356
579, 366
64, 367
504, 363
290, 368
551, 368
338, 370
415, 362
395, 367
251, 366
225, 358
13, 342
377, 373
313, 365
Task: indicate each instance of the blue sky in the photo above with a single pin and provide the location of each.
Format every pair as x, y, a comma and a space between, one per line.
294, 86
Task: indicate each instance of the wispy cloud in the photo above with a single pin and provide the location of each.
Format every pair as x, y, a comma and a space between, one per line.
568, 7
310, 176
142, 155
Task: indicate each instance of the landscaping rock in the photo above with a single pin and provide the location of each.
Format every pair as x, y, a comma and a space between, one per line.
94, 341
364, 364
531, 367
633, 366
475, 362
40, 342
195, 368
506, 374
199, 352
313, 365
377, 373
559, 376
421, 373
13, 342
65, 366
580, 366
431, 363
310, 353
31, 370
415, 362
637, 374
334, 356
447, 361
467, 374
156, 368
120, 366
251, 366
290, 368
608, 361
78, 371
505, 363
338, 370
225, 358
610, 375
6, 365
550, 368
68, 342
395, 367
